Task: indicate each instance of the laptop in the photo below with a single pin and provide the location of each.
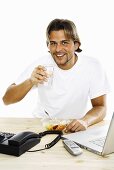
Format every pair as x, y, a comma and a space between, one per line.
99, 140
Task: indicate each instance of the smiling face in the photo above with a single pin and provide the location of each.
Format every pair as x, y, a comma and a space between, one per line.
62, 49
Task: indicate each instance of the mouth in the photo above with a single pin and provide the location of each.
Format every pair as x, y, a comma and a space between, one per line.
60, 55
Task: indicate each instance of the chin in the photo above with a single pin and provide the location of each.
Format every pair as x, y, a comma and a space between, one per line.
60, 62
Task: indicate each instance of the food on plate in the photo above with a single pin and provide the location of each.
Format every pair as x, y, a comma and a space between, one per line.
56, 127
54, 123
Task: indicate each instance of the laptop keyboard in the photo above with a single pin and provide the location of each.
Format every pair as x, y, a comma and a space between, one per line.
99, 141
5, 135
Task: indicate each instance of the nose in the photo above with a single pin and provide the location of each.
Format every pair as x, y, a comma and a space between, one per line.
58, 47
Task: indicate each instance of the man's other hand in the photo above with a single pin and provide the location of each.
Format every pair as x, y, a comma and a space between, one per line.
76, 125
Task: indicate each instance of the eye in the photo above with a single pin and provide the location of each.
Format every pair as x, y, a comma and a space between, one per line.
65, 42
52, 43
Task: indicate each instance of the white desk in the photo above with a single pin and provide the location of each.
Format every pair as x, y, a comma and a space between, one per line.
55, 158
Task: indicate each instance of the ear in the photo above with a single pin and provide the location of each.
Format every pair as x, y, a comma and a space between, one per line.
76, 45
47, 43
48, 46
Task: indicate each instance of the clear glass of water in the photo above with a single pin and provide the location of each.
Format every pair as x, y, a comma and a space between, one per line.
50, 71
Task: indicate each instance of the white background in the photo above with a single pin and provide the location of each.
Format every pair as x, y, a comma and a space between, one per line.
22, 39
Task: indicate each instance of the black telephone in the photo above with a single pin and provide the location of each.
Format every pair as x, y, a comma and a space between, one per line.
19, 143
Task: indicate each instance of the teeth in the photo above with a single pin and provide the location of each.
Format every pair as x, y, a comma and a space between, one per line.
59, 55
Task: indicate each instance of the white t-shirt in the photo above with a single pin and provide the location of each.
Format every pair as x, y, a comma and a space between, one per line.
71, 89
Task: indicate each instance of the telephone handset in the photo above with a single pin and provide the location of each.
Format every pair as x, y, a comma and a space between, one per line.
23, 137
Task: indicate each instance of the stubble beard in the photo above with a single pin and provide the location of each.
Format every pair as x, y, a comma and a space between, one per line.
62, 61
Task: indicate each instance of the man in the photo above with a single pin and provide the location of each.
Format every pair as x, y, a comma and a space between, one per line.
76, 79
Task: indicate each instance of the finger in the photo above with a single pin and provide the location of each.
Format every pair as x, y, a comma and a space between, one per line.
40, 81
39, 77
39, 74
42, 73
76, 126
79, 128
41, 68
70, 126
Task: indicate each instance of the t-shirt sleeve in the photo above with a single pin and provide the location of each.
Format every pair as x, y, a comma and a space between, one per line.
99, 84
25, 74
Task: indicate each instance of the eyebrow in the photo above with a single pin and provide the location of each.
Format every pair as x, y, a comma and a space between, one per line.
60, 41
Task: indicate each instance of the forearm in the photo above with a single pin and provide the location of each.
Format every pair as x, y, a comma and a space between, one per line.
16, 93
95, 115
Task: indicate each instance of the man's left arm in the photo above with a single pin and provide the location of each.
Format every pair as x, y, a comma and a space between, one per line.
95, 115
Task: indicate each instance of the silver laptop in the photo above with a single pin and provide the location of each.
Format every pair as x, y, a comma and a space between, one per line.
99, 140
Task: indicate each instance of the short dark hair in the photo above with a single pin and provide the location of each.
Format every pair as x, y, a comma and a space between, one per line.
69, 28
